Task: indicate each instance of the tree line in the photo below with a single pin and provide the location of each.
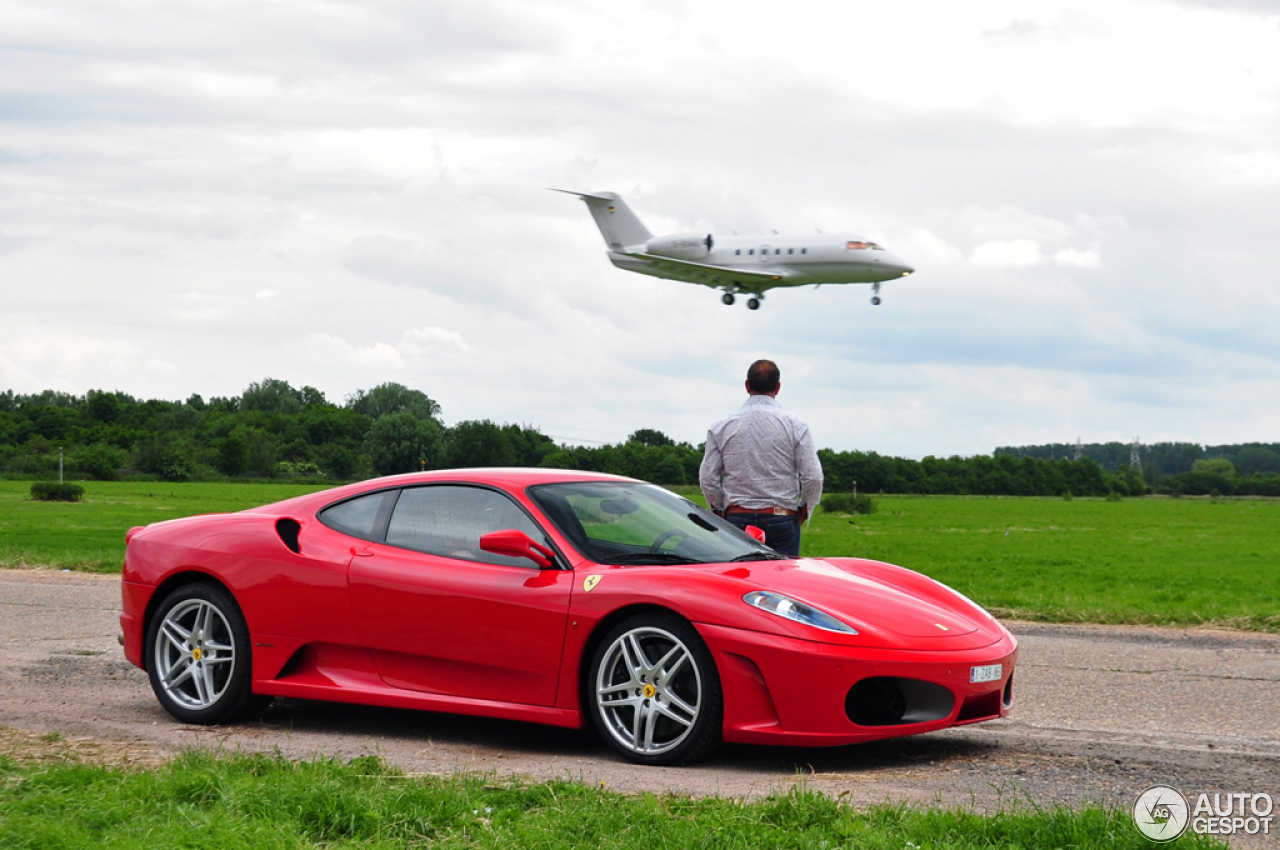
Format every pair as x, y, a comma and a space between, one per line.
274, 430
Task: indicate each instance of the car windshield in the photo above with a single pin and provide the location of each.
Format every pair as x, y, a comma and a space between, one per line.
632, 523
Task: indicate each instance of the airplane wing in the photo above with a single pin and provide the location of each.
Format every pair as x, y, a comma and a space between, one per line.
708, 275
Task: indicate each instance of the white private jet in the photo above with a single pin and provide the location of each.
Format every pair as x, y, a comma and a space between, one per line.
740, 264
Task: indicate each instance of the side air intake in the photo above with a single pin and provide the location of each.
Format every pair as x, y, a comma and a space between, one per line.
288, 530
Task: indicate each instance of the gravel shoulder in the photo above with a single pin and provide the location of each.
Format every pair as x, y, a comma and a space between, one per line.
1100, 714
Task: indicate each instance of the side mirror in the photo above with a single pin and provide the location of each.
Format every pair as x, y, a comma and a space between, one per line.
755, 533
516, 544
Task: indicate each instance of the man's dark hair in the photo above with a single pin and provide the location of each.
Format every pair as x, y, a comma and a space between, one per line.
763, 377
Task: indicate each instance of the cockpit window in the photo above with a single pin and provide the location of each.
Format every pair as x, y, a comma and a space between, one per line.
857, 245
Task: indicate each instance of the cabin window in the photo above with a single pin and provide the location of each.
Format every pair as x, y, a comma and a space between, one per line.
777, 250
737, 252
751, 252
804, 250
791, 250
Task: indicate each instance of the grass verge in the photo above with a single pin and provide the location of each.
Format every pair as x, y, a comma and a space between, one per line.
249, 801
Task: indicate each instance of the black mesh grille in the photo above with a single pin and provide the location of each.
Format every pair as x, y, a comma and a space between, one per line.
875, 702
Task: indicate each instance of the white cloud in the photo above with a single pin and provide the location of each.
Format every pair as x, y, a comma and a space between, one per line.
327, 349
1015, 252
425, 342
1089, 259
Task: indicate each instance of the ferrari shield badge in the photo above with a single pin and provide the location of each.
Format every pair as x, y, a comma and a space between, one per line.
590, 582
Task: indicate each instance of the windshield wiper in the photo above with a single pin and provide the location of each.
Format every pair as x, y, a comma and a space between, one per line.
758, 556
653, 558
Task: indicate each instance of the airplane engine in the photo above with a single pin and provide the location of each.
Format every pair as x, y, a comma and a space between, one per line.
685, 246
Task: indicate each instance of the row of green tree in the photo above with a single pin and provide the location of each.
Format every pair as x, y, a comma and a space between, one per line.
1161, 459
273, 429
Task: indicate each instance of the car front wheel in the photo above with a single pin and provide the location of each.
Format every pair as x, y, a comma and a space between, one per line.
199, 659
654, 693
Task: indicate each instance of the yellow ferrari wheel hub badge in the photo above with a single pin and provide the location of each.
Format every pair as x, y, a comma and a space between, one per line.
197, 653
649, 691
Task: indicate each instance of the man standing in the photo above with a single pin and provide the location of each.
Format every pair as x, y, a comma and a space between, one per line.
760, 467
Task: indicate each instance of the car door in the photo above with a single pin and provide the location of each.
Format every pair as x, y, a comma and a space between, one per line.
441, 616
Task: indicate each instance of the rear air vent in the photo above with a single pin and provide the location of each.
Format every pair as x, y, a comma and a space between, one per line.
891, 701
288, 530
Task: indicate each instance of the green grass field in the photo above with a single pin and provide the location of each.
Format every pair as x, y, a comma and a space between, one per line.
202, 800
1165, 561
89, 535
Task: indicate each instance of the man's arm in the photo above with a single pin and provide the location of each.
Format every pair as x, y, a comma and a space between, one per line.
810, 470
711, 475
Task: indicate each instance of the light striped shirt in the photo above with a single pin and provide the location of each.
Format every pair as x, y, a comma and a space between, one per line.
761, 457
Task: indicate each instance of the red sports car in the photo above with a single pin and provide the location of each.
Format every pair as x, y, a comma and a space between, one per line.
555, 597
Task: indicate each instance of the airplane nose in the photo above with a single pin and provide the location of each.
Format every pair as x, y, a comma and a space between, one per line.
898, 266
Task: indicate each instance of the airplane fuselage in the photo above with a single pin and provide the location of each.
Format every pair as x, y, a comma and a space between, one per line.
740, 264
797, 260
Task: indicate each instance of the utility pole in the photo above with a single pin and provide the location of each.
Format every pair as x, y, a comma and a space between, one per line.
1079, 449
59, 464
1135, 459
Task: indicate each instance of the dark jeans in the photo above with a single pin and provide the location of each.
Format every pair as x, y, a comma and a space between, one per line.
781, 533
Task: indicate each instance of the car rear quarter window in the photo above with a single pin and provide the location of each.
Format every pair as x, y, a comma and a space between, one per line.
358, 517
449, 520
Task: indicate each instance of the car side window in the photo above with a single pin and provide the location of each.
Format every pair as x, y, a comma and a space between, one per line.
449, 520
357, 517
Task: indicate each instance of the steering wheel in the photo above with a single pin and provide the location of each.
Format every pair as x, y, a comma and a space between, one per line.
656, 546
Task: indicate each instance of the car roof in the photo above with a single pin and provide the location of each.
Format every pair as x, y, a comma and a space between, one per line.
510, 478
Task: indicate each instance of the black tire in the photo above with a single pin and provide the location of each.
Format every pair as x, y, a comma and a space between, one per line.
663, 706
199, 657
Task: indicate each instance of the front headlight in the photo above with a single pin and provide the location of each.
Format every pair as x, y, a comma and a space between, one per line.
796, 611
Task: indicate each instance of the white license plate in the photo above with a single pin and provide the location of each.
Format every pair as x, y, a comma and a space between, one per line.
987, 673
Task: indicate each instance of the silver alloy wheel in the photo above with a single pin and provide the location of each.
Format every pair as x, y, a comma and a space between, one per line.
195, 654
649, 690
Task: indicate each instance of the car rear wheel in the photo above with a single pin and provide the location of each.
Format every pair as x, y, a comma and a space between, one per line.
654, 693
199, 659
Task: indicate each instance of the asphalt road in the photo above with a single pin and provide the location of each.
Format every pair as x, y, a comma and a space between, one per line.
1100, 714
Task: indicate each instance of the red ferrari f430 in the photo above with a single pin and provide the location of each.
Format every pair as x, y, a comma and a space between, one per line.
555, 597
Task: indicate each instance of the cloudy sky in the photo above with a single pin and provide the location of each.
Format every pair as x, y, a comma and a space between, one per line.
198, 195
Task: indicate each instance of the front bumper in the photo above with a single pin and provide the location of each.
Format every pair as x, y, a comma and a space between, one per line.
780, 690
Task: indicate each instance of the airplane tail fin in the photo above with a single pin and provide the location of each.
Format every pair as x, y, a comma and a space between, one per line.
618, 224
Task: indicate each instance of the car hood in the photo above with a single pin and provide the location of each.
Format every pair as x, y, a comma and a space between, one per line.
879, 600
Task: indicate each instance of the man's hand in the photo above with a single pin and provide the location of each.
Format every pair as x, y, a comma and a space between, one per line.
804, 513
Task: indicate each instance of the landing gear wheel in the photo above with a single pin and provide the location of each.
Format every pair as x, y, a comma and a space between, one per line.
653, 691
727, 298
199, 658
875, 299
753, 303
